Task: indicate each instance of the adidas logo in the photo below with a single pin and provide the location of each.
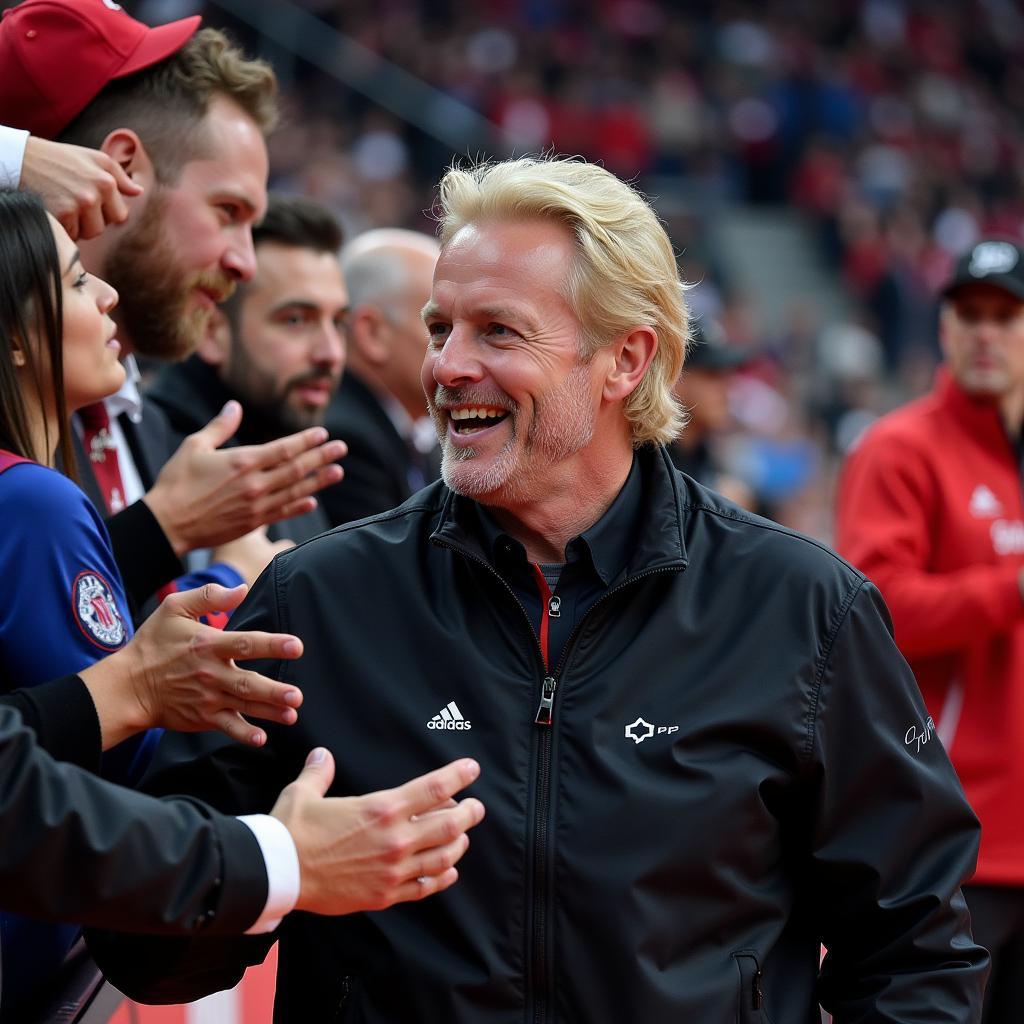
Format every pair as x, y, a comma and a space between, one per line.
450, 717
984, 504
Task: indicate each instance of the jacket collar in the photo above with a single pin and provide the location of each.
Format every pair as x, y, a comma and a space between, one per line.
659, 542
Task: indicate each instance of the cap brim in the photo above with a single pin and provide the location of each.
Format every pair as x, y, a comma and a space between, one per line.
1003, 282
159, 43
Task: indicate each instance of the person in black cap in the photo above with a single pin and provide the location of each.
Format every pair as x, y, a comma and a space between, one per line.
703, 390
931, 508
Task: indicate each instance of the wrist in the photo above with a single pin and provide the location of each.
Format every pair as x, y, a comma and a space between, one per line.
114, 686
161, 511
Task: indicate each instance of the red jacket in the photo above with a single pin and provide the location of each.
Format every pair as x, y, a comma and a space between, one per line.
930, 507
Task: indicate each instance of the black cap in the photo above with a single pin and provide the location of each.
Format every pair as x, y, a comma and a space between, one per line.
995, 261
710, 349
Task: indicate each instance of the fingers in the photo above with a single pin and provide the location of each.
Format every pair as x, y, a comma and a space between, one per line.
91, 221
211, 597
280, 504
318, 772
123, 180
305, 473
287, 449
220, 428
234, 726
428, 791
249, 645
426, 885
441, 828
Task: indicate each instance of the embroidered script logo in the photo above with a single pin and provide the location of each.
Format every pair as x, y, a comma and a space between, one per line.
641, 730
916, 739
111, 5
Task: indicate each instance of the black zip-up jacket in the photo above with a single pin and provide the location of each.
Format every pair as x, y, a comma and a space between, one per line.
739, 768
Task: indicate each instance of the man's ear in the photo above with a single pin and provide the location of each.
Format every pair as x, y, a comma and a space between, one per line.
630, 356
125, 146
368, 329
215, 345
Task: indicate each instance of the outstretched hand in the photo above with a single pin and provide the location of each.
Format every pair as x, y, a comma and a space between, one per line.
207, 495
180, 674
369, 852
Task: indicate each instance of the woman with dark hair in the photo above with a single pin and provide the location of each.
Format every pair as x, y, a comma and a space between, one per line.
62, 603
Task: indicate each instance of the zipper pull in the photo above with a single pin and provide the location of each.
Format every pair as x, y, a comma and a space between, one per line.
554, 608
546, 711
758, 991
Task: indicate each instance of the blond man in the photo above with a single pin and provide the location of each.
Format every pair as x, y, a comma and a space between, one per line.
691, 721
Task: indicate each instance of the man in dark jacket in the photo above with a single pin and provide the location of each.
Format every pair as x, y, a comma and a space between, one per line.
703, 756
276, 347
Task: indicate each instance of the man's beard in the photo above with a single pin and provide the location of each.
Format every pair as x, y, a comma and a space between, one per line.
563, 424
266, 402
154, 307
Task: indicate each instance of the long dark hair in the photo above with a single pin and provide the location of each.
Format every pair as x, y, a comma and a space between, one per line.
31, 307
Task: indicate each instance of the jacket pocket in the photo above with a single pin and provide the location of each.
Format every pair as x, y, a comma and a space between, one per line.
750, 997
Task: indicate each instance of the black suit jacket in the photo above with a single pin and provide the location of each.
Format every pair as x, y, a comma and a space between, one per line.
378, 464
77, 848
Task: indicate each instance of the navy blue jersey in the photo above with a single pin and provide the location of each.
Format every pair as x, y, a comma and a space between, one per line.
62, 607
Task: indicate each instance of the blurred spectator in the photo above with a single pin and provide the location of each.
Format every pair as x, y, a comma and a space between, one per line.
703, 390
380, 409
930, 508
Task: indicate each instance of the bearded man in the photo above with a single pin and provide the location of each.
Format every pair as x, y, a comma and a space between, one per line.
184, 114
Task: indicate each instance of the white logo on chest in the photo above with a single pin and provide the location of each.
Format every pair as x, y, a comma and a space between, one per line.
641, 730
984, 504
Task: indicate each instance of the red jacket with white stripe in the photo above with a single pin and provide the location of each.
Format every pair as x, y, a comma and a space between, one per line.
930, 507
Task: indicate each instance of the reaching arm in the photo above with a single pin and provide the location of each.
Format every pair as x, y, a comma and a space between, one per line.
180, 674
207, 495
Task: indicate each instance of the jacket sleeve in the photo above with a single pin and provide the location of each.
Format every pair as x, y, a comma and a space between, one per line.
235, 780
77, 848
63, 717
892, 839
884, 525
142, 552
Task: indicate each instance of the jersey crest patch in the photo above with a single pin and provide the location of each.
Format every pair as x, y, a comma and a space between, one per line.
96, 611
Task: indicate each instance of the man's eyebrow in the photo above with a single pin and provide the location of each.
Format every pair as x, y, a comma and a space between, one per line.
306, 305
252, 210
500, 313
505, 313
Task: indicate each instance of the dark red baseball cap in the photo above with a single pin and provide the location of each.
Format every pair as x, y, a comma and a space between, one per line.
56, 56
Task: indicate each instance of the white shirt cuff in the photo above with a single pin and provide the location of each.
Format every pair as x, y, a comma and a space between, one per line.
12, 153
282, 860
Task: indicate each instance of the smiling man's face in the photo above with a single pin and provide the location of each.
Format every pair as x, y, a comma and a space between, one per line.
513, 401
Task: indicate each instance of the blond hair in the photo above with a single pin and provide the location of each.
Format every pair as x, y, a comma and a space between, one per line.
624, 274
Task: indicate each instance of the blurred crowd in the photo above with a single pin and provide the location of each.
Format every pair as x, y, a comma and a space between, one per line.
892, 125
